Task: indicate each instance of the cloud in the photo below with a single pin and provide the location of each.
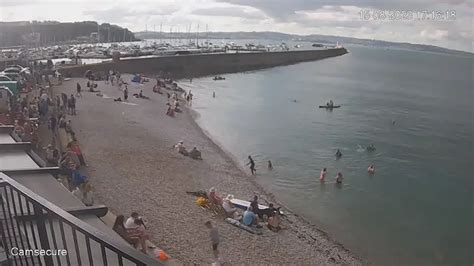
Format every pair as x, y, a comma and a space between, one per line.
5, 3
120, 14
237, 12
284, 9
434, 35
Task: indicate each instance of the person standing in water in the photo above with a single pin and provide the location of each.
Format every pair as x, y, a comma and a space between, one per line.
339, 178
338, 154
252, 165
214, 94
371, 169
322, 175
270, 165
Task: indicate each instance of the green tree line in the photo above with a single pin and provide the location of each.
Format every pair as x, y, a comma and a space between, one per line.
49, 32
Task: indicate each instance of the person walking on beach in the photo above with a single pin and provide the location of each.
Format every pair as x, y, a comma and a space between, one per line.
72, 105
214, 235
125, 94
78, 90
252, 165
65, 102
52, 124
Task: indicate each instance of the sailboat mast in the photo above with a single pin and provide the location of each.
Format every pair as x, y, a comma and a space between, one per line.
197, 37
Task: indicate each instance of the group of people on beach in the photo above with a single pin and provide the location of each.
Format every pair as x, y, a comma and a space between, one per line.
194, 153
252, 216
133, 230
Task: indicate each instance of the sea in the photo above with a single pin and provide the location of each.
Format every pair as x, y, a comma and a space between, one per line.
415, 107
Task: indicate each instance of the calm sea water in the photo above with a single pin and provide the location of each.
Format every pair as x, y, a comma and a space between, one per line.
417, 209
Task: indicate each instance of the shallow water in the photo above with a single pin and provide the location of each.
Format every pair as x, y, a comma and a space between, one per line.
417, 209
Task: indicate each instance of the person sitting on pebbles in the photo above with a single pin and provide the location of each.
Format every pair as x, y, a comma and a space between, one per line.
214, 197
181, 149
274, 222
229, 207
250, 218
195, 154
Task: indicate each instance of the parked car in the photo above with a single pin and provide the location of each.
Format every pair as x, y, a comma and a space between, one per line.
12, 75
15, 66
11, 70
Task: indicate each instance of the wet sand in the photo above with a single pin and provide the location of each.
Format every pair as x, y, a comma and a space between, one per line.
128, 148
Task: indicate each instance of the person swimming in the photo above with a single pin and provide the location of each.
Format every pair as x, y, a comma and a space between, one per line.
322, 175
371, 169
339, 178
338, 154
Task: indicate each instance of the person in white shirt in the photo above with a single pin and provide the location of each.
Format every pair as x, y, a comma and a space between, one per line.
130, 223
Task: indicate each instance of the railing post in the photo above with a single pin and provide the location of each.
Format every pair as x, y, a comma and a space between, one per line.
42, 233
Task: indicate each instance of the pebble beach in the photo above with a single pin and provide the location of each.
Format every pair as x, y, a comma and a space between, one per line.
133, 167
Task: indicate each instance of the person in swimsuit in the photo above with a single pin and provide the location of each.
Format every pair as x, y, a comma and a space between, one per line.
339, 178
252, 165
322, 175
371, 169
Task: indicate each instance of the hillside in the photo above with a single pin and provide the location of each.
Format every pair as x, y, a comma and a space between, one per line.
52, 32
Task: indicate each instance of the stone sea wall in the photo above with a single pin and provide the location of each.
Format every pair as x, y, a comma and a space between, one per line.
185, 66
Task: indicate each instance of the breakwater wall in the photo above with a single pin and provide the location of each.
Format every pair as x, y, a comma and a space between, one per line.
186, 66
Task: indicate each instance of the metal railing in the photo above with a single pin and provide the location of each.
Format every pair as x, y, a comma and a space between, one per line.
31, 223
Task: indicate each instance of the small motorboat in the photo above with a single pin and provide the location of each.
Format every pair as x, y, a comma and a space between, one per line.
219, 78
329, 107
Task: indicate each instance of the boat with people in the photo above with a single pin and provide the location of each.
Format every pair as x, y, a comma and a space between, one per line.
218, 78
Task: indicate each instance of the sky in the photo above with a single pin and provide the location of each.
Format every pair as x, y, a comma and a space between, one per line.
329, 17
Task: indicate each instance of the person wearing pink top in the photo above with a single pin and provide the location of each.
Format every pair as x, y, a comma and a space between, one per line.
371, 169
214, 197
322, 175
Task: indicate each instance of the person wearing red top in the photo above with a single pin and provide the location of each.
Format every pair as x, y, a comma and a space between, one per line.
77, 150
213, 197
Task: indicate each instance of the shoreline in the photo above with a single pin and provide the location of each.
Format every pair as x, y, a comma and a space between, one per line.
194, 115
130, 156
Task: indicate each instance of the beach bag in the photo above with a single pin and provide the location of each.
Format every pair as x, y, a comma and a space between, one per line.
160, 254
201, 201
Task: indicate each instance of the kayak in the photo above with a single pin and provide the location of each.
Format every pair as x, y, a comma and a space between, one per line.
329, 107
